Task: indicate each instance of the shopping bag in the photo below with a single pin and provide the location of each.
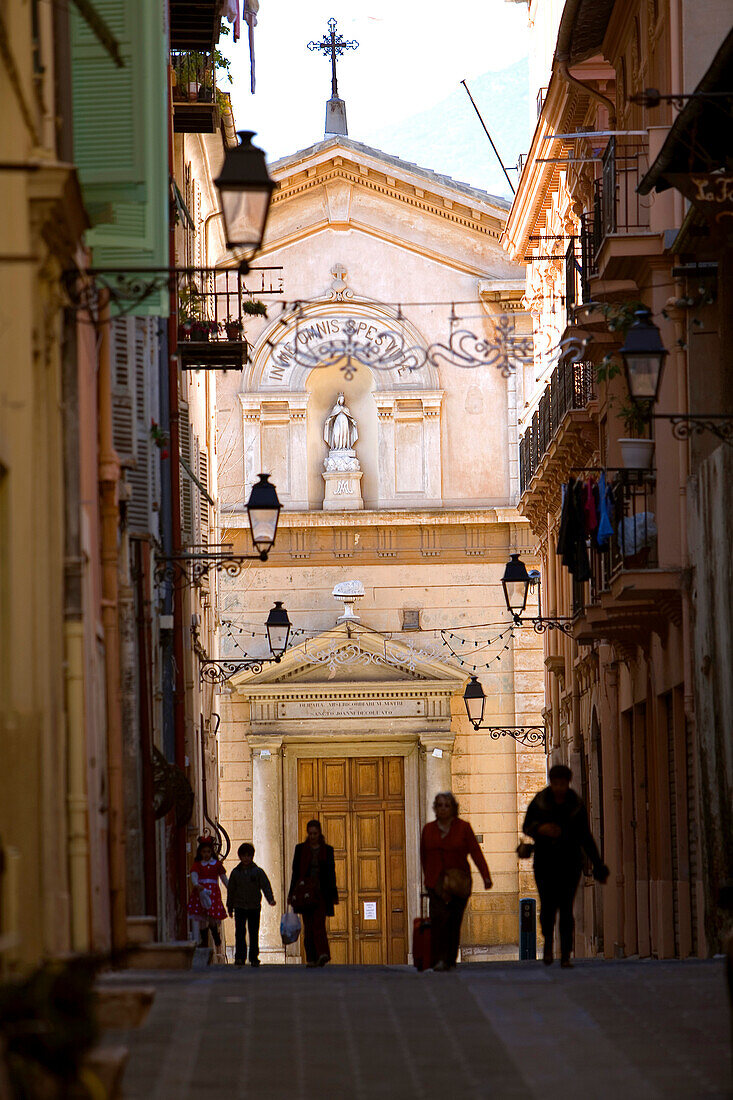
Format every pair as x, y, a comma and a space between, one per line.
289, 927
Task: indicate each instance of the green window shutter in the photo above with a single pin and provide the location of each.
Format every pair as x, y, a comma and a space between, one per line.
123, 427
139, 477
205, 507
187, 536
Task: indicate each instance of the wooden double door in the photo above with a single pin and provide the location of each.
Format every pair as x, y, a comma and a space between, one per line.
360, 802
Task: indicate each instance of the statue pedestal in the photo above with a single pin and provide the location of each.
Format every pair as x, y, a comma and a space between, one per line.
343, 490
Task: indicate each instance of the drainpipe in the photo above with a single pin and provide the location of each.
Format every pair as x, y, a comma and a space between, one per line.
76, 788
180, 860
109, 475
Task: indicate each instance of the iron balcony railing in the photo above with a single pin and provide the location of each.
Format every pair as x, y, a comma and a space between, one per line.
633, 543
577, 275
541, 97
571, 387
194, 92
213, 308
618, 209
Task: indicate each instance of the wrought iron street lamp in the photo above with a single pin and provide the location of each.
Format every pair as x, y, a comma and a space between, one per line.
263, 510
517, 582
278, 630
475, 701
218, 670
643, 355
245, 189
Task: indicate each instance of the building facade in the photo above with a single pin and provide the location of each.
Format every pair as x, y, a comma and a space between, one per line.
620, 695
403, 486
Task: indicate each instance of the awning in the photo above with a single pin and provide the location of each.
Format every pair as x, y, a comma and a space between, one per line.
582, 29
701, 138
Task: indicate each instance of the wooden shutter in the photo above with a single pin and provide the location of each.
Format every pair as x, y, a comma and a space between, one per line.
204, 506
139, 476
123, 417
185, 480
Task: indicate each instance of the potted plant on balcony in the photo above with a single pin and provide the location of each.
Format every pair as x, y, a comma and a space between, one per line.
254, 308
234, 329
203, 329
636, 451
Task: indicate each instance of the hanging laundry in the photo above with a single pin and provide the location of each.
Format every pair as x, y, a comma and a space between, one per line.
231, 14
589, 508
571, 540
605, 516
251, 8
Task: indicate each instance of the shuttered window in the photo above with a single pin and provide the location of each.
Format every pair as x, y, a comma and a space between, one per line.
123, 398
139, 477
204, 506
186, 487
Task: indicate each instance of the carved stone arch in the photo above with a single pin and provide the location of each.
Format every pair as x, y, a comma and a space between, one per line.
398, 412
265, 375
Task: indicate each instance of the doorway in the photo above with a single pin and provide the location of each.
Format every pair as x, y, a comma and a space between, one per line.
360, 802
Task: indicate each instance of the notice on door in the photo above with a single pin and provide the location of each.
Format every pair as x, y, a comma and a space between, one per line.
370, 910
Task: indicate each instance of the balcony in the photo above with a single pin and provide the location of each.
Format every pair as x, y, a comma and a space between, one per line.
628, 595
620, 219
194, 24
571, 389
195, 108
213, 308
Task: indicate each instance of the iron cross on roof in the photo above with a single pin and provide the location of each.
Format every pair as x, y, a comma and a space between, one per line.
333, 44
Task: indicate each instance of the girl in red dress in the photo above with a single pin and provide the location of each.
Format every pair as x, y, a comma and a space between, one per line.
205, 904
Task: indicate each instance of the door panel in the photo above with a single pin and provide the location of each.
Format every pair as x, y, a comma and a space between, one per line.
361, 805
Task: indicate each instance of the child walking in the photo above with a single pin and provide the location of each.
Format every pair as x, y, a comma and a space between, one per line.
205, 904
247, 884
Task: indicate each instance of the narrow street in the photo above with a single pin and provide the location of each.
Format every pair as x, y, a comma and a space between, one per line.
628, 1029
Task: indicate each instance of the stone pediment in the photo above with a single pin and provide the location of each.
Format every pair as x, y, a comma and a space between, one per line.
349, 658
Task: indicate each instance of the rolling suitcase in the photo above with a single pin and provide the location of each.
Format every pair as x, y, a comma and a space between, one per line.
421, 938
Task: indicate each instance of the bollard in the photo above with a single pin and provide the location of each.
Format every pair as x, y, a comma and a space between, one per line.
527, 928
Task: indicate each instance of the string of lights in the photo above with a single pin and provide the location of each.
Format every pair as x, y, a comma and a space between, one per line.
481, 666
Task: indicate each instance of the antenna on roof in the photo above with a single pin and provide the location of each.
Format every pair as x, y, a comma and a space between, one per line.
501, 162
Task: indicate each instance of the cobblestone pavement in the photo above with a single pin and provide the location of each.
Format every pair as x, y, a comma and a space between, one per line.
502, 1030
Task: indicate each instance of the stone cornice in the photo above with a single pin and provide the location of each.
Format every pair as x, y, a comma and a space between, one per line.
458, 211
502, 514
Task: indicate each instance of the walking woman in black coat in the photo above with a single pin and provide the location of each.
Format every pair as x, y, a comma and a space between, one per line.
313, 892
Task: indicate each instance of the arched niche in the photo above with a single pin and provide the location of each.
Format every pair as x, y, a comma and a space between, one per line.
285, 404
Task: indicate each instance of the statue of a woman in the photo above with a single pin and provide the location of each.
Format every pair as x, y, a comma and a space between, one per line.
340, 431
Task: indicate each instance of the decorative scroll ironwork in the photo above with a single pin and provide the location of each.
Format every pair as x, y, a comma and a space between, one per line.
337, 655
218, 671
685, 427
541, 624
191, 567
171, 790
356, 343
128, 288
525, 735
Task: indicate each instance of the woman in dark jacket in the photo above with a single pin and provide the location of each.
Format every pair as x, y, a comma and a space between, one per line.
313, 892
557, 821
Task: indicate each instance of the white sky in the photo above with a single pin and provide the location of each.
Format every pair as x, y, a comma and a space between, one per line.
412, 54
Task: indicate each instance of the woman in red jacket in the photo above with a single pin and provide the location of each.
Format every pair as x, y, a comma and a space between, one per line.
445, 846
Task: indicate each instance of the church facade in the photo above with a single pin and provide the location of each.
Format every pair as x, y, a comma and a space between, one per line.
389, 432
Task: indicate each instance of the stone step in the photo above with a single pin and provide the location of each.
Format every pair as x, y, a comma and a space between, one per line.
142, 929
108, 1065
118, 1008
160, 956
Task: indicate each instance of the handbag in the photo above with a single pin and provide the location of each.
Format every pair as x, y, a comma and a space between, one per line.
525, 849
306, 895
289, 927
455, 883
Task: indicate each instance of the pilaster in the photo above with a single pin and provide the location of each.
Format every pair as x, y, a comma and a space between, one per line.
267, 807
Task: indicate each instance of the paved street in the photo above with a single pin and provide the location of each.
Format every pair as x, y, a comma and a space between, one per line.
627, 1029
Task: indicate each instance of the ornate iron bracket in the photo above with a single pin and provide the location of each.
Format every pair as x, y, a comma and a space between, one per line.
540, 624
219, 671
190, 568
684, 427
525, 735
